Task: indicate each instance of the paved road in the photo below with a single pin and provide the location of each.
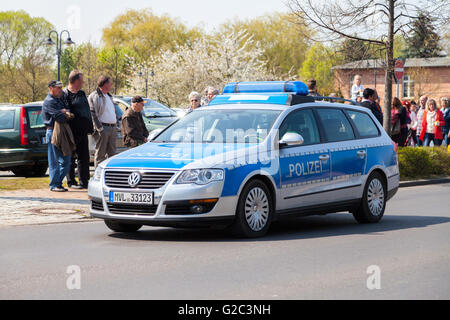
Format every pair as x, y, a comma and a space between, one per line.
308, 258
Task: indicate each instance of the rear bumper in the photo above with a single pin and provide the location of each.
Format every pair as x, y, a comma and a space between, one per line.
22, 157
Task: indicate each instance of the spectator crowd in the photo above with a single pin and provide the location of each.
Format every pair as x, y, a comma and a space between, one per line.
423, 125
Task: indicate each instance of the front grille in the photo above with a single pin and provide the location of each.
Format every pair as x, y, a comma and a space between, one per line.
150, 180
129, 209
97, 205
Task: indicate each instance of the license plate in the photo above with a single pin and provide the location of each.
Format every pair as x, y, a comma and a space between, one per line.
132, 198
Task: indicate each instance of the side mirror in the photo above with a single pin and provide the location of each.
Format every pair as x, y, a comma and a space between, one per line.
154, 133
292, 139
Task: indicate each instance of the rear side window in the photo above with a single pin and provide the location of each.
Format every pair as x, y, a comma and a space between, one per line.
35, 118
7, 119
336, 126
303, 123
364, 124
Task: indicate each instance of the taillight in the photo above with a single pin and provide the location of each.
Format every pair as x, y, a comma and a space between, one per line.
23, 127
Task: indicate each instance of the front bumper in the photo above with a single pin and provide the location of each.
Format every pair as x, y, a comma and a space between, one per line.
222, 213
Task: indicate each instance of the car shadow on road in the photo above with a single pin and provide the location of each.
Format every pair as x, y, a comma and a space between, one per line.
292, 229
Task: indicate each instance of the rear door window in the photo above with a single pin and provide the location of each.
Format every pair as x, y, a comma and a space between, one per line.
335, 124
35, 117
7, 117
364, 124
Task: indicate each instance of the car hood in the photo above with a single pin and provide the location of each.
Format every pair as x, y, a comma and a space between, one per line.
179, 155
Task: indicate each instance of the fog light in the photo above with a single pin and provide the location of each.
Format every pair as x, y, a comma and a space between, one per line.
197, 209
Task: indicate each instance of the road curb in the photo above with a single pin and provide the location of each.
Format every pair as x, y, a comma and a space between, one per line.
416, 183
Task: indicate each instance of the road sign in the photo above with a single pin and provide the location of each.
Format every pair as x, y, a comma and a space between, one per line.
399, 69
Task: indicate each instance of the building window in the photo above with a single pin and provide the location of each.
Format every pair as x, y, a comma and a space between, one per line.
408, 87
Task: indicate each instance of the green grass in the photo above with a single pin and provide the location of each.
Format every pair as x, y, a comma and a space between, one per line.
24, 184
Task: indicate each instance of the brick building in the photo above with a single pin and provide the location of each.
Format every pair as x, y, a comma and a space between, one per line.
429, 76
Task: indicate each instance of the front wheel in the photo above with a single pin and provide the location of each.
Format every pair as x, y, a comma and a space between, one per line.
255, 210
122, 227
373, 203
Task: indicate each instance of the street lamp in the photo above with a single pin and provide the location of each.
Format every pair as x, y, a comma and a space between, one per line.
140, 74
59, 43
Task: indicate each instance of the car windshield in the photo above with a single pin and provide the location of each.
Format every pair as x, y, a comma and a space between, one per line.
221, 126
153, 109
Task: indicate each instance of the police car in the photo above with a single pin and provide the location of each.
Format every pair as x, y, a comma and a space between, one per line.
260, 152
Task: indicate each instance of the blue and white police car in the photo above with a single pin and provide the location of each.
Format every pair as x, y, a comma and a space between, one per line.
260, 152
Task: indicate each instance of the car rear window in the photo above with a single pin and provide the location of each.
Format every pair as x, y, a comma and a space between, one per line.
7, 119
35, 117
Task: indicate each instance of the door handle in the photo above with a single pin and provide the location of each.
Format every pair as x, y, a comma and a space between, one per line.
324, 157
362, 153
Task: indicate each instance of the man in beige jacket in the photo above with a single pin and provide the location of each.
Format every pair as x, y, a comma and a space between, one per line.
105, 120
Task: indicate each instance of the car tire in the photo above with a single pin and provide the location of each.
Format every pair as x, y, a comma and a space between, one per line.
373, 202
254, 211
30, 172
39, 171
122, 227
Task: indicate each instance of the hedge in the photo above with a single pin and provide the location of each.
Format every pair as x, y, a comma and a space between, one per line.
423, 162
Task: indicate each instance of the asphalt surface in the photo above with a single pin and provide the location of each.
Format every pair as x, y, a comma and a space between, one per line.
308, 258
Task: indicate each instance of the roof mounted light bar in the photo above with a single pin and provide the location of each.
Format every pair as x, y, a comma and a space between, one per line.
294, 87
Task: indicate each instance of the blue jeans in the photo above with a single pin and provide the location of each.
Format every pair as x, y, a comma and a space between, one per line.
58, 164
446, 138
430, 137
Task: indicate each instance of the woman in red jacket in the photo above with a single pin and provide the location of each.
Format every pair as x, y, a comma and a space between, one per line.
432, 123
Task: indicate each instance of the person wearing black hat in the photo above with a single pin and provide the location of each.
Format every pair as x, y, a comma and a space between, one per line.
134, 131
54, 110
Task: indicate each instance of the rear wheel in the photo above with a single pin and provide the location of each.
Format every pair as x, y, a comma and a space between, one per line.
255, 210
122, 227
373, 203
30, 172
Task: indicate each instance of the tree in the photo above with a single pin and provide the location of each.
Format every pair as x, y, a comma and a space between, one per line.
84, 58
146, 34
25, 62
374, 22
318, 63
116, 62
207, 62
283, 42
422, 40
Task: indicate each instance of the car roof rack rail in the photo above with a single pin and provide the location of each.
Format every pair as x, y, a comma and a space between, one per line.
335, 99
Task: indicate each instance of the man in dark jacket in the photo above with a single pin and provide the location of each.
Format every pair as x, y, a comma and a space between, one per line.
134, 131
369, 102
54, 110
81, 126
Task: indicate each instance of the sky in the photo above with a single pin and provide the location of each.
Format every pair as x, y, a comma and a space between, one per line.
85, 19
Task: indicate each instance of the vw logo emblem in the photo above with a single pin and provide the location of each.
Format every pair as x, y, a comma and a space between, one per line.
134, 179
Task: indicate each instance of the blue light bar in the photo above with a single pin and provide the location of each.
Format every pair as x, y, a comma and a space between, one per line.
295, 87
257, 98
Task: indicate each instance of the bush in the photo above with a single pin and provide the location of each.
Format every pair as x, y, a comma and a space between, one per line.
423, 162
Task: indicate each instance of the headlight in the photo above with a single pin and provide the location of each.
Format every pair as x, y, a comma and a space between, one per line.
98, 174
200, 176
